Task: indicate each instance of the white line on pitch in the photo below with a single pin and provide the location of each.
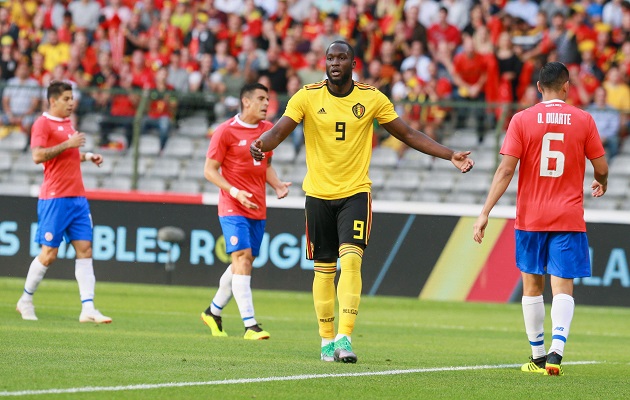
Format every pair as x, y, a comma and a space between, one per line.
88, 389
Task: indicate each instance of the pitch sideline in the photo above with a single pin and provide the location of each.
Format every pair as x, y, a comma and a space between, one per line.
90, 389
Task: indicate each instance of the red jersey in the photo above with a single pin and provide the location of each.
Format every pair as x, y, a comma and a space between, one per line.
551, 140
230, 147
62, 174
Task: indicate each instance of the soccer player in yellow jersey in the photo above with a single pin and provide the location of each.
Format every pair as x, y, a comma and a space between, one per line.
338, 115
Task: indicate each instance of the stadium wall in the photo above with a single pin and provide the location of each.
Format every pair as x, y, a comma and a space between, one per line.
416, 250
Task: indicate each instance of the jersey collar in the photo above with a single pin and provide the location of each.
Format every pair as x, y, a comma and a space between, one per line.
51, 117
553, 101
243, 123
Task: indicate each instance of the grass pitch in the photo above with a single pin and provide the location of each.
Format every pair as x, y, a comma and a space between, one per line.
157, 348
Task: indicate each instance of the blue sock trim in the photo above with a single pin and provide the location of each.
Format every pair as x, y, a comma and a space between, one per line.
27, 292
559, 337
215, 304
86, 300
246, 318
540, 343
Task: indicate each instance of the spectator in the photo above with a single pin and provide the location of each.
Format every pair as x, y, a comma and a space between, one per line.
458, 13
142, 75
251, 59
24, 49
577, 95
618, 95
509, 68
476, 21
38, 70
182, 17
345, 24
7, 27
22, 13
20, 100
122, 111
608, 122
156, 56
604, 50
116, 13
470, 75
7, 63
524, 9
103, 81
229, 6
563, 40
289, 57
136, 36
66, 30
313, 25
281, 20
302, 45
54, 51
162, 107
442, 31
552, 7
177, 75
612, 13
428, 11
417, 60
233, 34
311, 72
200, 40
276, 72
274, 108
85, 14
148, 13
171, 36
328, 33
52, 14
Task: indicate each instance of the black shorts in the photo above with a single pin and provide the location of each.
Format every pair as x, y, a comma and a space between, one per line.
330, 223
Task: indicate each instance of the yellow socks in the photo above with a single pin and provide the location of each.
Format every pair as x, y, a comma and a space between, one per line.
324, 297
349, 287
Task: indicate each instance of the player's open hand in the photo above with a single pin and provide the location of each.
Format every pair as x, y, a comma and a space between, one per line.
243, 198
461, 160
598, 189
77, 139
255, 150
479, 228
283, 190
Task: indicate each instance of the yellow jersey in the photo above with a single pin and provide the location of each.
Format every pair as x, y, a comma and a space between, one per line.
338, 134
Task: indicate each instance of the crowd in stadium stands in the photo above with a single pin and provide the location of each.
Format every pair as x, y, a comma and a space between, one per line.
414, 51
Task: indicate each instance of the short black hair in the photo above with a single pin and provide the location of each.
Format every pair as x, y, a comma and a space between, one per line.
56, 89
553, 75
249, 88
343, 42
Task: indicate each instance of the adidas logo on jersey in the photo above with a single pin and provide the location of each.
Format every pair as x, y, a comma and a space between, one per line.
321, 111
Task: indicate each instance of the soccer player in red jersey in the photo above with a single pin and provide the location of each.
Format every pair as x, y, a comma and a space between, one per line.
551, 140
62, 209
242, 204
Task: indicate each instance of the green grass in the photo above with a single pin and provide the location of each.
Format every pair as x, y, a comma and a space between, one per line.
157, 338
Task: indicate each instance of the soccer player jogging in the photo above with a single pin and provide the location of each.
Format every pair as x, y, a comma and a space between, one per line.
338, 115
551, 140
62, 209
242, 205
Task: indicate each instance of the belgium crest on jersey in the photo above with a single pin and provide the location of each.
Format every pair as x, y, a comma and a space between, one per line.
358, 110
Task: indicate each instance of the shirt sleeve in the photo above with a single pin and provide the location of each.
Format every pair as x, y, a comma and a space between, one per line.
296, 107
39, 133
513, 145
386, 112
217, 147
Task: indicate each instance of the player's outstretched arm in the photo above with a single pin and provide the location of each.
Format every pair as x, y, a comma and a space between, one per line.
272, 138
501, 180
423, 143
43, 154
600, 174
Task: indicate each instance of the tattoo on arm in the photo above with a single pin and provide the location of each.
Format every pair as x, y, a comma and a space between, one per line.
52, 152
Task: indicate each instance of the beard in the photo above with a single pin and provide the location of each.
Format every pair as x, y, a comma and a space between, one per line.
343, 78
